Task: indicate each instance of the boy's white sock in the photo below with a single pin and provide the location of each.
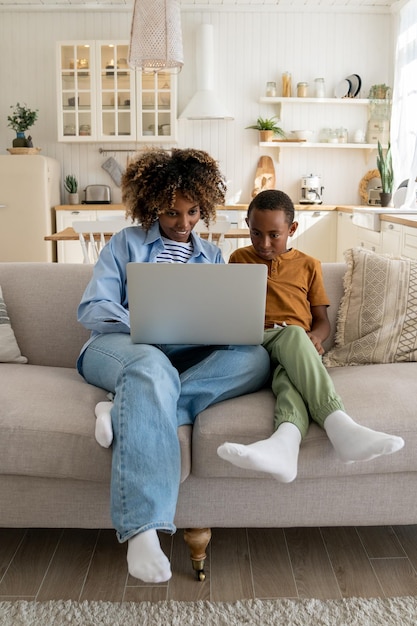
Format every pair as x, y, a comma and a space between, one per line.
353, 442
277, 455
104, 429
145, 558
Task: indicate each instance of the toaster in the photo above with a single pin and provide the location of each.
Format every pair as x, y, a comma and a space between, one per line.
97, 194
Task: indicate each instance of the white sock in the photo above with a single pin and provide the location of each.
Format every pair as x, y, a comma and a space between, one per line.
104, 429
277, 455
145, 559
353, 442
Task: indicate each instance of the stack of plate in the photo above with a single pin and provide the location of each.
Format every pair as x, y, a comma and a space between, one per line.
348, 87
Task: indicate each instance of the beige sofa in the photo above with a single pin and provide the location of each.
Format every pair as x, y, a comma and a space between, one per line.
54, 474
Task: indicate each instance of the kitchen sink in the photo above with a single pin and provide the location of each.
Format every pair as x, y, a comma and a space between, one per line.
369, 216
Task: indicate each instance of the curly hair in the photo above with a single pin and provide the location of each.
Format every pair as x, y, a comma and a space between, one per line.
273, 200
151, 180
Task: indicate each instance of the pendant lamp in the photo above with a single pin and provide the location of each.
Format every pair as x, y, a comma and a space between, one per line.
155, 36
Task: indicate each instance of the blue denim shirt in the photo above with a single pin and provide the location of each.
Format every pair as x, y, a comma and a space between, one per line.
104, 305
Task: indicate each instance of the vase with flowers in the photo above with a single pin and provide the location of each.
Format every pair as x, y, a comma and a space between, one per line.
21, 119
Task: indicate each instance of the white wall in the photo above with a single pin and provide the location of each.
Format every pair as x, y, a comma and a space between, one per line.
251, 47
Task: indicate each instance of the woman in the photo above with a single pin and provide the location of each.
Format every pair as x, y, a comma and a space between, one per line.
157, 388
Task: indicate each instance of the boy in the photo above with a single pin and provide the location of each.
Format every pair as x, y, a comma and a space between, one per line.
296, 325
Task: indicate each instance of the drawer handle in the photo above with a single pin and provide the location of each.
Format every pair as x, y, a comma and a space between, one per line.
390, 226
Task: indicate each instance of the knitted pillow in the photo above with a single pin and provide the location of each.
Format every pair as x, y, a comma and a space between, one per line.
377, 317
9, 350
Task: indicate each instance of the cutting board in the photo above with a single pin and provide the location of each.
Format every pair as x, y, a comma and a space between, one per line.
265, 175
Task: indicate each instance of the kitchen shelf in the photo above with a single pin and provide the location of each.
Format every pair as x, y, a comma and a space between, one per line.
367, 147
310, 144
279, 101
341, 101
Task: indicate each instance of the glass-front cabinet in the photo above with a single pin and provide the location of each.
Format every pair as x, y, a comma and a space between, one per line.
76, 103
100, 98
116, 93
158, 96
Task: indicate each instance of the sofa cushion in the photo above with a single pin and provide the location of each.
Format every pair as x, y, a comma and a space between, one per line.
377, 317
42, 301
9, 350
47, 426
370, 398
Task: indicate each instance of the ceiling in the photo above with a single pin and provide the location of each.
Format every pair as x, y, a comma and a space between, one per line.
356, 5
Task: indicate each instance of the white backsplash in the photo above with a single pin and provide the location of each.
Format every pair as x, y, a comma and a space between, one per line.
251, 48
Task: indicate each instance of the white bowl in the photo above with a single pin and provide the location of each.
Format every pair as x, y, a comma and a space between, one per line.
303, 134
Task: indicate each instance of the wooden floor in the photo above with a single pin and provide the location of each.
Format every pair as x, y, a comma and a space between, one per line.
325, 563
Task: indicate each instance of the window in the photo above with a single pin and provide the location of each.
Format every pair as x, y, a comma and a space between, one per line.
404, 109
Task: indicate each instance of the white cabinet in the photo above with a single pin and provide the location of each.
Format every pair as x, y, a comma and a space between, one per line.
157, 106
391, 238
317, 114
100, 98
347, 234
316, 234
369, 239
409, 242
116, 92
76, 91
70, 251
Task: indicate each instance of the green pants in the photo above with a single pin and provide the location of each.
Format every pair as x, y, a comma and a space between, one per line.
300, 382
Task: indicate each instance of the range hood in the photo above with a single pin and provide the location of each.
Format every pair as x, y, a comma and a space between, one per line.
205, 104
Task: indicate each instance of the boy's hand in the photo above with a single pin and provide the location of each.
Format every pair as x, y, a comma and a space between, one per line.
320, 327
316, 341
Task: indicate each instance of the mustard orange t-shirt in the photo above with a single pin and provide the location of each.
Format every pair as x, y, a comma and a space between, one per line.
295, 284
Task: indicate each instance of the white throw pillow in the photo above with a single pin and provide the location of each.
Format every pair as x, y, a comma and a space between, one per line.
9, 350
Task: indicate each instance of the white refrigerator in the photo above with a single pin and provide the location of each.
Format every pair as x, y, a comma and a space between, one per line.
29, 189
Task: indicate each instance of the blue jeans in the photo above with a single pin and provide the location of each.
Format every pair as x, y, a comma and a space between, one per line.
157, 389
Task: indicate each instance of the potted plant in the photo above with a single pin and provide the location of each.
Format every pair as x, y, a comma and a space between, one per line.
384, 165
71, 185
267, 127
21, 119
380, 92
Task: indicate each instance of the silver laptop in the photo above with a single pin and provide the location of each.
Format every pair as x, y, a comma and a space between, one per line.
177, 303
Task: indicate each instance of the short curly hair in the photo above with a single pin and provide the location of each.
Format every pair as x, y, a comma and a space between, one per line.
151, 180
273, 200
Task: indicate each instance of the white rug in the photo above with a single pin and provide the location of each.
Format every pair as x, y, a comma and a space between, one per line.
350, 612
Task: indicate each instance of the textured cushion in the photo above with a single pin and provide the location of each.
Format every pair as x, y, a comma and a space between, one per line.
9, 350
377, 317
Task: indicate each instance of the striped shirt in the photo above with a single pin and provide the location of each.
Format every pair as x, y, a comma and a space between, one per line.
175, 252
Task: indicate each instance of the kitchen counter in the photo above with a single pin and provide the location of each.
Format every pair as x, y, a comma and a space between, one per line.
226, 207
398, 218
121, 207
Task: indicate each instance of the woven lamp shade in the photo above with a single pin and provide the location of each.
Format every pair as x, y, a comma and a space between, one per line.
156, 37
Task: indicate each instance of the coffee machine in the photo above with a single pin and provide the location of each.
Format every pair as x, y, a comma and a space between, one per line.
311, 190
